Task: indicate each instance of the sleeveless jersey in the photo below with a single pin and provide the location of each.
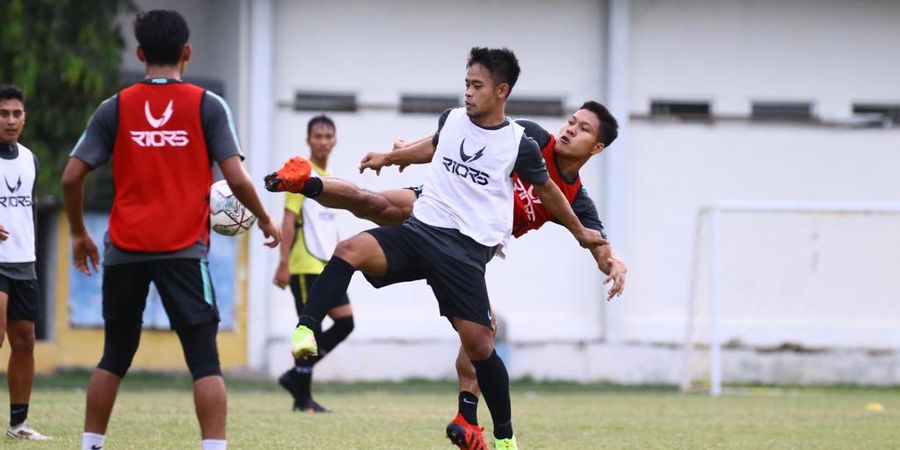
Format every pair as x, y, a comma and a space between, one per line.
17, 207
469, 187
528, 211
161, 169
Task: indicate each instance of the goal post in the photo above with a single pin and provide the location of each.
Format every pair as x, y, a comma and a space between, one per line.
770, 274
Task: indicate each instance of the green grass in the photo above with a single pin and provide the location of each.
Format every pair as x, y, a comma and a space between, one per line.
156, 412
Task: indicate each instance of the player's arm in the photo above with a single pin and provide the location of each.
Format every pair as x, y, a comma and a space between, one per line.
419, 152
283, 273
403, 154
93, 149
83, 247
556, 204
607, 260
222, 143
611, 264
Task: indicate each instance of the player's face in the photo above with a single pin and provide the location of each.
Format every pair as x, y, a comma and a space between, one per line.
579, 137
12, 119
321, 141
482, 94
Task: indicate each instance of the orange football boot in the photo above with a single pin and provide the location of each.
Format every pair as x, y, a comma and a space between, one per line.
465, 435
291, 177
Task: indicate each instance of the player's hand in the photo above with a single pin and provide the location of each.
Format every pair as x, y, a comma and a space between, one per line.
84, 251
270, 230
375, 161
588, 238
4, 235
617, 272
400, 144
282, 275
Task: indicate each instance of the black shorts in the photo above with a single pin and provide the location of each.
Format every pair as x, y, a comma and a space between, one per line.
184, 286
300, 287
452, 263
24, 299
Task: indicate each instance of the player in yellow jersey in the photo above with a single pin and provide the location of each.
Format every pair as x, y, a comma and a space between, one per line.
312, 232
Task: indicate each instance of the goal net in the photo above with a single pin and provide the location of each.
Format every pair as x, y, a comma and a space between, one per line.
804, 277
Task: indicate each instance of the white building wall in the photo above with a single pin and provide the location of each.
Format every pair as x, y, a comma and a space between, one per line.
733, 52
549, 288
676, 169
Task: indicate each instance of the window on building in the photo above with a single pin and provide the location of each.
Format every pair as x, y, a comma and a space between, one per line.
883, 113
324, 101
782, 111
699, 111
427, 104
525, 106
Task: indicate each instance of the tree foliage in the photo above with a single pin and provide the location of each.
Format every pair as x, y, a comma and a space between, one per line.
65, 55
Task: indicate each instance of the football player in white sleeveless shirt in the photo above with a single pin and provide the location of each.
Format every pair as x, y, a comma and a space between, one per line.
461, 220
19, 295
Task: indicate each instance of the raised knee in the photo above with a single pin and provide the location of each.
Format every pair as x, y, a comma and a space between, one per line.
350, 250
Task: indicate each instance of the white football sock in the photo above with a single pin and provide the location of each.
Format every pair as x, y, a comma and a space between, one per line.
214, 444
92, 441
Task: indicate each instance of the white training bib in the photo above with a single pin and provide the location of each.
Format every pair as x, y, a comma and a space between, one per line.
469, 187
17, 207
320, 230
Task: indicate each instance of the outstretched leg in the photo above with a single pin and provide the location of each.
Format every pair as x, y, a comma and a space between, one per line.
389, 207
384, 208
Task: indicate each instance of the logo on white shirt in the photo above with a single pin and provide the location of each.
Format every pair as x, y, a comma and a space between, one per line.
466, 158
12, 190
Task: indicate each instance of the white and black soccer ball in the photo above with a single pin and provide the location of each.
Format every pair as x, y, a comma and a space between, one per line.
227, 215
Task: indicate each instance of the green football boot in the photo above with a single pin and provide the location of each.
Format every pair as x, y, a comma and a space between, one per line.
303, 343
506, 444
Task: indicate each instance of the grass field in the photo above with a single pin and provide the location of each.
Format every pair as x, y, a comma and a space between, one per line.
156, 412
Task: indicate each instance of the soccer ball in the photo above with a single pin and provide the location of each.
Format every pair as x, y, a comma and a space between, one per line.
226, 214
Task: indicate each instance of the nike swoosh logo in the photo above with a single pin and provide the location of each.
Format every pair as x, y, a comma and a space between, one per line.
465, 400
96, 447
467, 158
153, 121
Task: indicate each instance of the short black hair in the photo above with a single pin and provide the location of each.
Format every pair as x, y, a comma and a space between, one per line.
609, 127
11, 92
162, 34
320, 119
500, 62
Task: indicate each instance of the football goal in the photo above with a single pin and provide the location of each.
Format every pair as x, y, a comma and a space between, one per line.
790, 277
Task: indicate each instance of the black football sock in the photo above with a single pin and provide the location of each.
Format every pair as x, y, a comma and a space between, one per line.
335, 335
328, 289
468, 407
494, 383
18, 412
312, 187
303, 381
